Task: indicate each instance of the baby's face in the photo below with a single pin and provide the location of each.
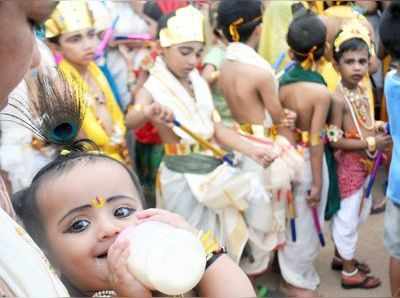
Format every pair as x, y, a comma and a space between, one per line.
83, 211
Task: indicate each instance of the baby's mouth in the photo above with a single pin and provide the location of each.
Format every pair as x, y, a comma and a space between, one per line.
103, 255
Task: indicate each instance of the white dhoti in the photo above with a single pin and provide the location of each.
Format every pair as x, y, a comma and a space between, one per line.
296, 258
346, 221
232, 203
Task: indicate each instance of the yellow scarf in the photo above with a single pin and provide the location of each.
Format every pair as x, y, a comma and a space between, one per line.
91, 125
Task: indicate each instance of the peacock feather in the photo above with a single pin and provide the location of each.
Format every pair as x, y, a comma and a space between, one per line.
54, 111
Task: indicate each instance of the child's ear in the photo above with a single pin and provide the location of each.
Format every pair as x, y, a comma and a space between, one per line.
54, 47
291, 55
327, 49
335, 65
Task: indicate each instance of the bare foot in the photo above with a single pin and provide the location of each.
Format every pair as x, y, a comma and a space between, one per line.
292, 291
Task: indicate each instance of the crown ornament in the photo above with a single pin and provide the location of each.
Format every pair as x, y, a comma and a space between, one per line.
353, 29
186, 26
69, 16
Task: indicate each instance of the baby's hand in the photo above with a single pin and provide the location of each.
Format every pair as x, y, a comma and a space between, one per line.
121, 279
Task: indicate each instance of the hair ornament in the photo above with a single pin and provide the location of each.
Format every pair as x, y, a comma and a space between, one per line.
309, 62
233, 29
53, 109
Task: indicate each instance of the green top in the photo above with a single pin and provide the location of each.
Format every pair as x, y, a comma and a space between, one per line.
297, 74
215, 57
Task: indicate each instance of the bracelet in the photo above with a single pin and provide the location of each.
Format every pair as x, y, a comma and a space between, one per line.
315, 139
209, 243
371, 142
136, 107
334, 133
214, 256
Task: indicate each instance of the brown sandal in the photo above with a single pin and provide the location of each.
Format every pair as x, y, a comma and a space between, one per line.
337, 265
359, 280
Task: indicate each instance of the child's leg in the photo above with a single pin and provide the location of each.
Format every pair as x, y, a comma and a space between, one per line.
392, 244
296, 258
394, 273
345, 224
345, 234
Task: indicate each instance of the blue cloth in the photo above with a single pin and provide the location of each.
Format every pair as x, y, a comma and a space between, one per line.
392, 93
113, 85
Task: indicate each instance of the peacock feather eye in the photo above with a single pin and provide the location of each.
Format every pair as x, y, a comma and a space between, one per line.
54, 110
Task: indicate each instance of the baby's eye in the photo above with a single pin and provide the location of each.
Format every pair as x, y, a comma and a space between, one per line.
123, 212
78, 226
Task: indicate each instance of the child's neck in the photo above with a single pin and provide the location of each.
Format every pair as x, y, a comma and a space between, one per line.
349, 85
82, 69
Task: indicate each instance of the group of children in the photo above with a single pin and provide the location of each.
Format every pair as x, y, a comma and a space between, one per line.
258, 177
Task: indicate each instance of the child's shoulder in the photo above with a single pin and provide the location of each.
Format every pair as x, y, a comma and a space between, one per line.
338, 98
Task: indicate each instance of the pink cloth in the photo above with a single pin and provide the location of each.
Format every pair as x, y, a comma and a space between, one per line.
351, 172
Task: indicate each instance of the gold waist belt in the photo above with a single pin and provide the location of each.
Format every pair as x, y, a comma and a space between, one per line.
182, 149
259, 130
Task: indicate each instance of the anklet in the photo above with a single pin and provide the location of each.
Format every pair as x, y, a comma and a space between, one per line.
351, 273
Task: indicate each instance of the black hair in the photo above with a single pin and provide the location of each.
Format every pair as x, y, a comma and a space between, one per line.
152, 10
55, 39
230, 11
163, 22
353, 44
25, 201
306, 31
389, 25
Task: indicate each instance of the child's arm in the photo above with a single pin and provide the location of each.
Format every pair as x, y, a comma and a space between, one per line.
318, 122
209, 73
270, 96
337, 112
224, 278
231, 139
144, 110
348, 144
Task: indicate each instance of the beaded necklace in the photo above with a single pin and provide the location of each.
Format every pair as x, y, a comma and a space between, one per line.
360, 106
349, 97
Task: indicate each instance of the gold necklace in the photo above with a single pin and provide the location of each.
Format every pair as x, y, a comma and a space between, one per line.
361, 107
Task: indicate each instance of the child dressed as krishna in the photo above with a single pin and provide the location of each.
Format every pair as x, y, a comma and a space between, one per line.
70, 30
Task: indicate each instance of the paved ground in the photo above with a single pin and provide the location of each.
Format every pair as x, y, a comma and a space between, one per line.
370, 249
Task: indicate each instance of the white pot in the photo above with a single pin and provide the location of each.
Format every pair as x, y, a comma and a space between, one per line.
164, 258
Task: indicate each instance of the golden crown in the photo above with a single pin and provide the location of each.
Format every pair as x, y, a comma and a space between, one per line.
353, 29
187, 25
69, 16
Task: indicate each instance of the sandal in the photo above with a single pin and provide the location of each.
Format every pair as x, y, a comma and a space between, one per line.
379, 207
358, 280
337, 265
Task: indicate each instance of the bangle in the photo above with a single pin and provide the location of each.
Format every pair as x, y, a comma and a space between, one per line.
209, 243
334, 133
136, 107
371, 142
315, 139
214, 256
